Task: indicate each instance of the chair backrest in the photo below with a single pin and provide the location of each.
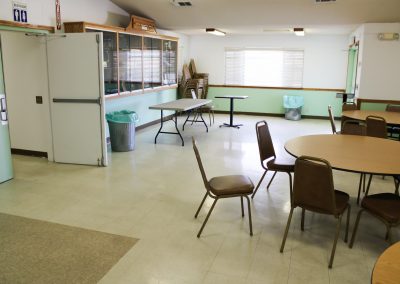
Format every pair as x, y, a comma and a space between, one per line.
192, 68
265, 145
332, 120
393, 108
313, 187
349, 106
353, 127
193, 92
376, 126
198, 158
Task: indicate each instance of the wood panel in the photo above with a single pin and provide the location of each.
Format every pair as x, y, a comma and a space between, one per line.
278, 88
26, 26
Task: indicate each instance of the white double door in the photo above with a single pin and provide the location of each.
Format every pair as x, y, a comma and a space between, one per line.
74, 94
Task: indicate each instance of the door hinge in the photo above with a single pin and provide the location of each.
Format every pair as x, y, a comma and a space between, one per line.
98, 38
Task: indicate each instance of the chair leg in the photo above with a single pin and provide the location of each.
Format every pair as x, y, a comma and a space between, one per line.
303, 214
388, 236
335, 241
396, 185
241, 203
347, 223
290, 187
364, 178
258, 185
369, 184
359, 188
201, 204
355, 228
287, 229
271, 180
249, 210
208, 215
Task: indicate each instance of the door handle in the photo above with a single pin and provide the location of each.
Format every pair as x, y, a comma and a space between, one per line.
3, 106
78, 101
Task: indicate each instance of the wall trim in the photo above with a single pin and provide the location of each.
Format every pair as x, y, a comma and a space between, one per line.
360, 101
140, 127
277, 88
274, 114
26, 26
29, 153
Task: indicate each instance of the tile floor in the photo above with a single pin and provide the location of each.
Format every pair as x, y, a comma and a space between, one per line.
153, 192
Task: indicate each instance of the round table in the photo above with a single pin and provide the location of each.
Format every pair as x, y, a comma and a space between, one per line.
387, 267
362, 154
390, 116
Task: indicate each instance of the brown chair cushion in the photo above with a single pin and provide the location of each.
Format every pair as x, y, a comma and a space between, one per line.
341, 198
385, 205
281, 164
228, 185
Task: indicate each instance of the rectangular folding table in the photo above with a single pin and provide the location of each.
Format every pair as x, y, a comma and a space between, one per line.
180, 106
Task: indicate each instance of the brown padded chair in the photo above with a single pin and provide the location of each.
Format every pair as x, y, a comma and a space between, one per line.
384, 206
376, 126
347, 106
353, 127
332, 120
313, 190
224, 187
268, 159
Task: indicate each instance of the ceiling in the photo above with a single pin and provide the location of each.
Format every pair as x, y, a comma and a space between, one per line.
264, 16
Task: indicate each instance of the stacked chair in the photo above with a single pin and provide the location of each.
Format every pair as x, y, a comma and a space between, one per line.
199, 76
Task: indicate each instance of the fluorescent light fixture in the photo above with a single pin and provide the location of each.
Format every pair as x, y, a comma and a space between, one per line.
299, 31
215, 32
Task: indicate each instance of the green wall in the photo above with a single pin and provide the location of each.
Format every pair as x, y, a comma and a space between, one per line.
140, 104
373, 106
271, 100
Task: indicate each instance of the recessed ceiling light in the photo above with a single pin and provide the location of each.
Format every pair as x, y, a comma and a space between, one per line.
299, 31
215, 32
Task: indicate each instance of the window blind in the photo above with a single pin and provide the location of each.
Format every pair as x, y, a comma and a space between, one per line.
264, 67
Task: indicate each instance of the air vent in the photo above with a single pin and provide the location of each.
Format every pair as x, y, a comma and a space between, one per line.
179, 3
324, 1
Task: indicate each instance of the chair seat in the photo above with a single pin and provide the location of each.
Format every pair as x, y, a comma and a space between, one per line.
229, 185
342, 200
281, 164
385, 205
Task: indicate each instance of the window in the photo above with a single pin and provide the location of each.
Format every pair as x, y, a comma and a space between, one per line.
264, 67
130, 62
152, 62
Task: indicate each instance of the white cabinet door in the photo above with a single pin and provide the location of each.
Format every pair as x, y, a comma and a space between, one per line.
75, 73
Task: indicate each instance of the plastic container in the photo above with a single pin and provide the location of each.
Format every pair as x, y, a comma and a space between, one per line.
293, 105
121, 125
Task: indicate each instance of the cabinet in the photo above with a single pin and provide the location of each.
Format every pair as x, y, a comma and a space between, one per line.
134, 61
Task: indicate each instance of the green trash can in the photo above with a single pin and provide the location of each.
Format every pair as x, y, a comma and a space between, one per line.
121, 125
292, 106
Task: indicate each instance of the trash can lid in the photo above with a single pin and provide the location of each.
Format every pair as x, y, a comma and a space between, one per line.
293, 101
122, 116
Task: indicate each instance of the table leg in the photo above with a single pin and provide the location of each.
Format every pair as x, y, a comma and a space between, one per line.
162, 123
175, 118
176, 127
231, 114
187, 119
231, 117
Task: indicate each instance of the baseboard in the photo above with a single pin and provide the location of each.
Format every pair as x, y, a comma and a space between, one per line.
274, 114
140, 127
29, 153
